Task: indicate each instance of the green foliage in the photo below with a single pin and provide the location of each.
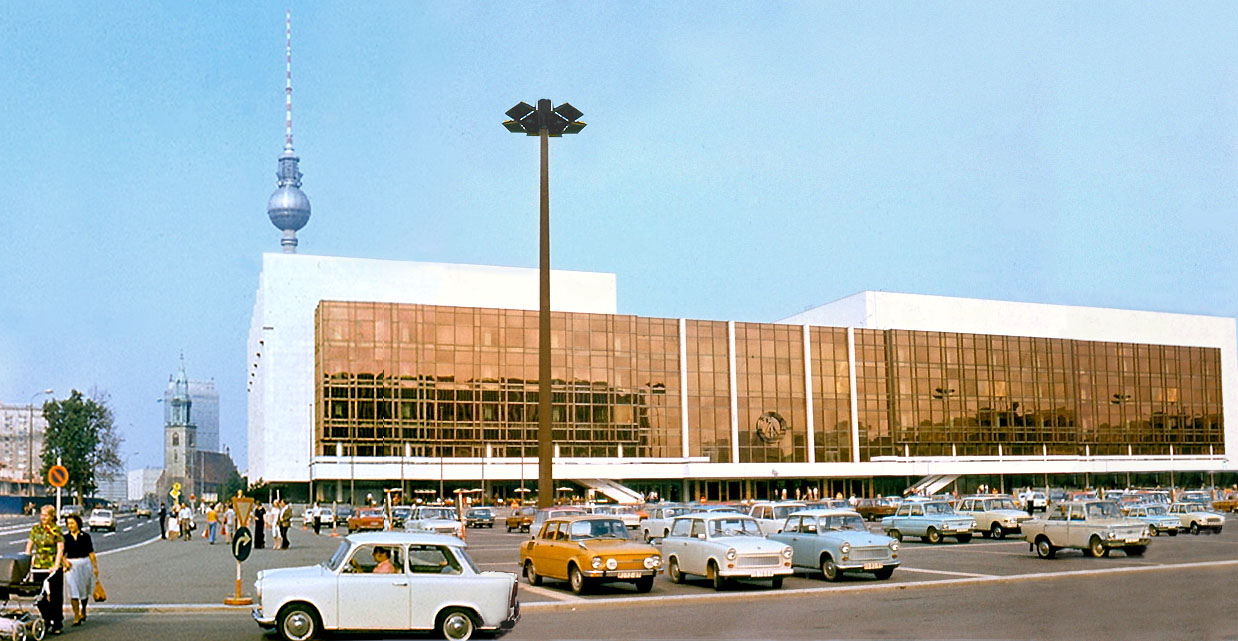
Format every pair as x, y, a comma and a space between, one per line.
235, 483
80, 431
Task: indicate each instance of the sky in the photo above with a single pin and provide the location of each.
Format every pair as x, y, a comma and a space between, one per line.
742, 161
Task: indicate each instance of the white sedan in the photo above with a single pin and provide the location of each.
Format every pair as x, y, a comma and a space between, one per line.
101, 519
388, 581
722, 546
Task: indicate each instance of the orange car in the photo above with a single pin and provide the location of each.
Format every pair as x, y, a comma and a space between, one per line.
368, 519
583, 550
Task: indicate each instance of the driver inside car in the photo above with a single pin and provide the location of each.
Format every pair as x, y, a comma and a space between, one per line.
382, 558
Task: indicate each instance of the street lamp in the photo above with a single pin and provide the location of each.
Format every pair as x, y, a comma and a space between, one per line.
544, 122
30, 441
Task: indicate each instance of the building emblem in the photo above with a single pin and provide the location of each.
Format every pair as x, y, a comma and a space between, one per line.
771, 427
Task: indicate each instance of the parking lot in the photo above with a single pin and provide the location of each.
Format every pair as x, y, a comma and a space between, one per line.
979, 561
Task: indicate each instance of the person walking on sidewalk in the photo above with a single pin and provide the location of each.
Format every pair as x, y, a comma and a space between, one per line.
317, 511
163, 520
83, 567
46, 545
260, 533
285, 523
229, 521
174, 523
212, 524
186, 517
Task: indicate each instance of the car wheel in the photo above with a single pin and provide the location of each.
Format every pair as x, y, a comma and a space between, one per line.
897, 535
531, 574
1045, 549
715, 576
883, 573
1135, 550
1096, 547
828, 568
777, 583
576, 579
933, 536
1194, 528
648, 538
996, 532
644, 584
963, 538
673, 572
456, 624
509, 529
298, 622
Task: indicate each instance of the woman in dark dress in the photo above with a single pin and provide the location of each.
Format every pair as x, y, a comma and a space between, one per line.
260, 527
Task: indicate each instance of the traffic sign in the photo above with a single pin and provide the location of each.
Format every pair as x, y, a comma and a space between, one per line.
242, 544
243, 506
58, 476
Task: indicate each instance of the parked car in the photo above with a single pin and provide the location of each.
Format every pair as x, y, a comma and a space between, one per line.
588, 549
875, 508
399, 515
770, 515
434, 586
1095, 526
837, 541
1157, 517
1033, 500
101, 519
626, 513
370, 518
996, 515
722, 546
1196, 517
543, 514
929, 520
521, 519
435, 518
479, 517
658, 524
1227, 502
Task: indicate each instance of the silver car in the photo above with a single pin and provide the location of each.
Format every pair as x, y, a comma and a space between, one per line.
722, 546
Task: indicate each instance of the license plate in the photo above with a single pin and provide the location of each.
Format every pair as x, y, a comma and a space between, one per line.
629, 575
761, 573
874, 565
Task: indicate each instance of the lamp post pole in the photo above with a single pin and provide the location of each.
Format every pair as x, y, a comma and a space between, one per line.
544, 122
30, 441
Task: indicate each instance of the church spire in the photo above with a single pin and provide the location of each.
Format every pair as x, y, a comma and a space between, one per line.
288, 207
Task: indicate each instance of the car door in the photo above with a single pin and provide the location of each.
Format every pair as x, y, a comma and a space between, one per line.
1077, 528
915, 523
808, 543
369, 601
675, 543
697, 549
541, 549
791, 536
434, 575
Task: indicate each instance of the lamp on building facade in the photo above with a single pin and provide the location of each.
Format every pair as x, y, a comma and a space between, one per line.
545, 122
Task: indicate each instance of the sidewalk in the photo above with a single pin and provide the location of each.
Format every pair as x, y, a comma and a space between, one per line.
184, 572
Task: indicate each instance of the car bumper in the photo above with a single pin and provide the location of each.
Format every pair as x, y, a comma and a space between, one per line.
1121, 543
263, 621
620, 575
756, 573
858, 566
507, 624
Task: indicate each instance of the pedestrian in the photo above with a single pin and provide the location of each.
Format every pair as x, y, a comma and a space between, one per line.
83, 567
163, 520
186, 516
46, 545
229, 521
260, 532
285, 523
317, 518
212, 524
273, 521
174, 523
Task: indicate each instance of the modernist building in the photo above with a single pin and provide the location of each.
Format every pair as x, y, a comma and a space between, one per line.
21, 442
385, 373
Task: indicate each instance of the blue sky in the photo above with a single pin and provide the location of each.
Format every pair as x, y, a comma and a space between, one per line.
742, 161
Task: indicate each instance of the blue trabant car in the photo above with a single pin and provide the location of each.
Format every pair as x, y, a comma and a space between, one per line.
1157, 516
929, 520
835, 541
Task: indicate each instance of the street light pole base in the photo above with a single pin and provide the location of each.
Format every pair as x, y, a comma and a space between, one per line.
238, 601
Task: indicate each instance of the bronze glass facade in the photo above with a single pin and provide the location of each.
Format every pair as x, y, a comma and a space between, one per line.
462, 382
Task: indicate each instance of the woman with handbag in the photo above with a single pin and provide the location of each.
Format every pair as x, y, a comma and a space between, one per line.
82, 567
46, 545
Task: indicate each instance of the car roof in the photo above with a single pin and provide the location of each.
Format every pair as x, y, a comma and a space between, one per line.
825, 511
712, 515
572, 518
393, 537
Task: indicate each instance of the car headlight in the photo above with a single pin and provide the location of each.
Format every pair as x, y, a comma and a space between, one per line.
596, 562
651, 562
612, 564
844, 548
731, 554
973, 525
786, 553
894, 546
1111, 534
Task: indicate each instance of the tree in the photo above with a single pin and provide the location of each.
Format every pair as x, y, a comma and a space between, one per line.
80, 431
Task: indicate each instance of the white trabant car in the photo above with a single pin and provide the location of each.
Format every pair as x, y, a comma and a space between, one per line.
722, 546
770, 515
627, 513
101, 519
434, 518
1196, 517
388, 581
658, 524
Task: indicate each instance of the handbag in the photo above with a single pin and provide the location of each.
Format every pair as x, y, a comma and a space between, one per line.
100, 594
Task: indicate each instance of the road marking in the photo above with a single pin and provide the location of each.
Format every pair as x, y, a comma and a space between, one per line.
113, 533
965, 546
127, 529
128, 547
572, 598
903, 568
17, 542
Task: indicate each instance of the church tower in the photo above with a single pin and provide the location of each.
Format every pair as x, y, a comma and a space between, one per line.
180, 436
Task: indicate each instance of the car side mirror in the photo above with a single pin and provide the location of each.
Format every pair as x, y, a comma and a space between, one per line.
701, 537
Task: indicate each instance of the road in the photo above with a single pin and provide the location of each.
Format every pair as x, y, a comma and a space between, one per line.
14, 531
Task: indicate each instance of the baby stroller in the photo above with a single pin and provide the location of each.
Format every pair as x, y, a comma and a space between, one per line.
18, 622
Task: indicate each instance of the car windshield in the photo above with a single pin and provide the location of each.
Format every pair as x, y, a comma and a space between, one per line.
400, 511
1001, 504
103, 513
438, 513
783, 511
938, 507
737, 526
668, 512
336, 559
598, 529
371, 514
841, 523
1104, 510
485, 511
1157, 510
